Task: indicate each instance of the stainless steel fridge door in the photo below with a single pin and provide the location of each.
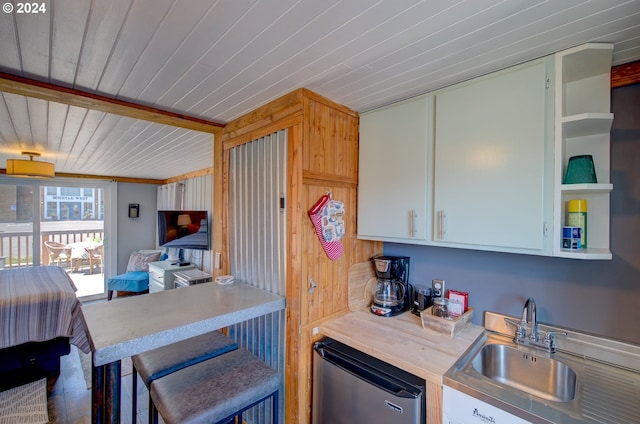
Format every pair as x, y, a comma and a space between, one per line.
342, 397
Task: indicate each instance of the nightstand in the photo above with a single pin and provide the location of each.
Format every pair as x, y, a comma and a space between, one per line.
161, 274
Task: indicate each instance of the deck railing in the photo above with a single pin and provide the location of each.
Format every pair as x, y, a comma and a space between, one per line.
16, 249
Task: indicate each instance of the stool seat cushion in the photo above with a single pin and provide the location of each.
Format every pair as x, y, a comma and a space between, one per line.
134, 281
214, 389
165, 360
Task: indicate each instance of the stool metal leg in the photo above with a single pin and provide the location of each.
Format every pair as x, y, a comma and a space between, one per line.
275, 407
134, 394
153, 412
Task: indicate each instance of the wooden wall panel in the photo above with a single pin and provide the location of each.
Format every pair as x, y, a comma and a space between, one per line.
626, 74
264, 116
434, 403
293, 386
331, 143
330, 295
322, 156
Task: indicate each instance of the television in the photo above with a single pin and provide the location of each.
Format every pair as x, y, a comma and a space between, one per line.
184, 230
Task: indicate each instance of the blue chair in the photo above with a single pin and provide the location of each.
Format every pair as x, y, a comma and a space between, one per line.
136, 279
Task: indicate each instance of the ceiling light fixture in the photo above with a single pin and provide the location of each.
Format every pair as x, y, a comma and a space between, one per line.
30, 168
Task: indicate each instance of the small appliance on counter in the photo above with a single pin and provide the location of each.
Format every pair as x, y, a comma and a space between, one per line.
393, 291
421, 299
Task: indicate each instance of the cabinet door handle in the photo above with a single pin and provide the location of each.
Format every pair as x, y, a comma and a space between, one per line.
441, 225
412, 223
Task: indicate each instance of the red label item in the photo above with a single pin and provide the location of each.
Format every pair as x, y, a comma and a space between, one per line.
460, 296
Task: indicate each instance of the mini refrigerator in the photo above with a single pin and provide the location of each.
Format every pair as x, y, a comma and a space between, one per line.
351, 387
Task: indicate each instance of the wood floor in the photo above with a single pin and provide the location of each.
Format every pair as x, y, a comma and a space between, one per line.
69, 400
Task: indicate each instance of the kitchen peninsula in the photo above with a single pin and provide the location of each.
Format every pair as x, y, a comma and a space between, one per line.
133, 325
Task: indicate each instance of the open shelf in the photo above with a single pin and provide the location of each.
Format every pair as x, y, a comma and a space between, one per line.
583, 124
588, 253
586, 188
586, 124
586, 61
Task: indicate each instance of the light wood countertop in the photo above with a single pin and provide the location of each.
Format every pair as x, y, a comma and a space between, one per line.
401, 341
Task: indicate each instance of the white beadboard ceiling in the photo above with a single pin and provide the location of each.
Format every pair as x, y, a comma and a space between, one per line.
217, 60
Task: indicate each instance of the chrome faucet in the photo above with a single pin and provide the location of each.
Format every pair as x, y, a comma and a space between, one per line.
529, 317
527, 332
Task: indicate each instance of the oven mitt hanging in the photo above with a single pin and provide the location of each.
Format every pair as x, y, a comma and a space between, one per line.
332, 248
333, 220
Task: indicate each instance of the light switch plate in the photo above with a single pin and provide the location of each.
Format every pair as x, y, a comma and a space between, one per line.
437, 288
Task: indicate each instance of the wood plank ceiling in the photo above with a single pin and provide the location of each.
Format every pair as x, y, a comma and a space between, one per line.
216, 60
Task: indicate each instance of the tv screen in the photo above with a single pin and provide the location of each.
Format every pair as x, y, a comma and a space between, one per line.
184, 229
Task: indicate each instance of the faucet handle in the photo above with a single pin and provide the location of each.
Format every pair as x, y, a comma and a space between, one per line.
521, 330
549, 339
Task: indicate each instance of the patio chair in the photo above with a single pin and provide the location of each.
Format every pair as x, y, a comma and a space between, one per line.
58, 252
95, 257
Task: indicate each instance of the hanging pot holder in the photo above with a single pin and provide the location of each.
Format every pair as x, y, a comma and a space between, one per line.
333, 220
333, 248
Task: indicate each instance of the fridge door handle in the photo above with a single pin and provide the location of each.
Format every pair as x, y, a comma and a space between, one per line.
373, 376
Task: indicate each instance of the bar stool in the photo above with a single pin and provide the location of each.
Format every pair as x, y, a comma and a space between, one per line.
165, 360
216, 390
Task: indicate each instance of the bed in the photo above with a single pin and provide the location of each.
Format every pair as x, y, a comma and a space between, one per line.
39, 316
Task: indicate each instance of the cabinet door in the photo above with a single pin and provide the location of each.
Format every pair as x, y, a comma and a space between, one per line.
392, 188
490, 148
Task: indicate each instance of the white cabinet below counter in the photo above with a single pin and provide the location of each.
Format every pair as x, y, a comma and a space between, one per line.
458, 407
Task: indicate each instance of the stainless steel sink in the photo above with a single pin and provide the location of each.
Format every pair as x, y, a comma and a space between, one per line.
588, 379
535, 374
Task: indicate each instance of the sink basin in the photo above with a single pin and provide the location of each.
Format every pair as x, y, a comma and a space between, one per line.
540, 376
568, 386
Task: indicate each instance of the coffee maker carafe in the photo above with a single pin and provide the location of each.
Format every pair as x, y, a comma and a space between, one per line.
392, 289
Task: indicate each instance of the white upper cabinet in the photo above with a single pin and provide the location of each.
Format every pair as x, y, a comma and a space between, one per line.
393, 172
493, 156
481, 164
583, 125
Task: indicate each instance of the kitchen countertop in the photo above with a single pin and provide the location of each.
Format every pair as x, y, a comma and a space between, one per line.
136, 324
401, 341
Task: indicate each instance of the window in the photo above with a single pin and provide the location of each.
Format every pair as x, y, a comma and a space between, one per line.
88, 211
70, 191
52, 211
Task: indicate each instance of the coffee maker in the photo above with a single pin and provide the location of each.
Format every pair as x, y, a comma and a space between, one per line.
393, 292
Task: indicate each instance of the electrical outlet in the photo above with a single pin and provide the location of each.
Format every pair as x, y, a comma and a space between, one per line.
437, 288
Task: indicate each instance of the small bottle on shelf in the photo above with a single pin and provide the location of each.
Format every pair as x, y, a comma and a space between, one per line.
577, 217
